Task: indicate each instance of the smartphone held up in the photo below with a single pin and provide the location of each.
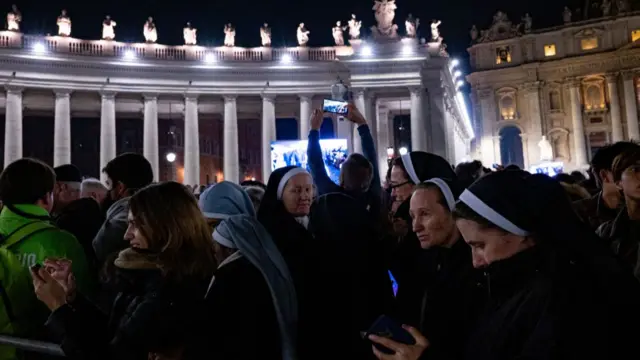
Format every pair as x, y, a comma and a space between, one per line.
335, 107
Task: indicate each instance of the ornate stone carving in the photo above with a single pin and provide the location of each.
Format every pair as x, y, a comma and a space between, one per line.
303, 35
189, 34
606, 7
149, 31
501, 28
108, 33
485, 93
588, 33
229, 35
338, 33
546, 151
385, 12
560, 143
566, 15
411, 26
14, 17
64, 24
628, 74
623, 6
265, 35
533, 86
354, 27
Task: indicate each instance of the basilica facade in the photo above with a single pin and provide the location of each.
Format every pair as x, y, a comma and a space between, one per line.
555, 94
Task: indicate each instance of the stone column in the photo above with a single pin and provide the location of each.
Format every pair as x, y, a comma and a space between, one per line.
305, 116
62, 128
536, 130
383, 141
13, 126
150, 148
107, 130
418, 125
488, 121
616, 121
231, 161
360, 100
579, 147
191, 141
631, 105
268, 132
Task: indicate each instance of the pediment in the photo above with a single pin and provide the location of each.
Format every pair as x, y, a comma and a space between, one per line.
588, 33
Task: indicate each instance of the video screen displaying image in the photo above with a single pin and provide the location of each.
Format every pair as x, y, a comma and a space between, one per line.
549, 168
294, 153
334, 106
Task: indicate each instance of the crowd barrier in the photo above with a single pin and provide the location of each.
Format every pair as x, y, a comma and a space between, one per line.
32, 345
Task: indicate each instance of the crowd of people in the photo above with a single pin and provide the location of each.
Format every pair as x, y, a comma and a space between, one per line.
489, 264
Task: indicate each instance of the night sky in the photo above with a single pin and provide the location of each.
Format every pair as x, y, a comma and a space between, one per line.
209, 17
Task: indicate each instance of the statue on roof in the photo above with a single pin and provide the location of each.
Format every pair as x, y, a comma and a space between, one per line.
338, 33
265, 35
385, 12
502, 28
354, 27
108, 33
527, 20
411, 26
623, 6
303, 35
474, 33
606, 7
14, 17
229, 35
189, 34
150, 31
566, 15
435, 32
64, 24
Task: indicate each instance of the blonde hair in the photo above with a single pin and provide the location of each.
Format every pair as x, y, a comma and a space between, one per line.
168, 216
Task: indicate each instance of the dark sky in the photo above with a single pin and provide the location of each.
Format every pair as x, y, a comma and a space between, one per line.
283, 15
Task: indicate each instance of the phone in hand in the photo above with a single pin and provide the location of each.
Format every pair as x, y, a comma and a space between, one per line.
335, 107
386, 327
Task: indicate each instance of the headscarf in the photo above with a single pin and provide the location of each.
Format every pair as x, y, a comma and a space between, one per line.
272, 211
252, 240
421, 166
225, 199
448, 188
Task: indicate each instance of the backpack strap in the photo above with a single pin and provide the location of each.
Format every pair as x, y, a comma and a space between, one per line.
25, 231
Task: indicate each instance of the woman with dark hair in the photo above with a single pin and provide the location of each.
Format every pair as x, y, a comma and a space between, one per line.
554, 291
163, 277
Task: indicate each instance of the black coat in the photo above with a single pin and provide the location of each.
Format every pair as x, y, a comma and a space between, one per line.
150, 314
243, 323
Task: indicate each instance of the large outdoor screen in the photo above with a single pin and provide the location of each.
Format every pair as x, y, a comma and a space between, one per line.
294, 152
549, 168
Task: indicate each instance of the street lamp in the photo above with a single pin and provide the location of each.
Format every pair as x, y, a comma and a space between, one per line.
171, 157
390, 152
403, 150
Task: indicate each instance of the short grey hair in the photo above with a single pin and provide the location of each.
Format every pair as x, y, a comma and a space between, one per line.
92, 184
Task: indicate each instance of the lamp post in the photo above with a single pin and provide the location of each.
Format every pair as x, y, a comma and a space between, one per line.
403, 150
171, 155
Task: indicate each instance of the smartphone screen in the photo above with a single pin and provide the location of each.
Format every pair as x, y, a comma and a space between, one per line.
335, 107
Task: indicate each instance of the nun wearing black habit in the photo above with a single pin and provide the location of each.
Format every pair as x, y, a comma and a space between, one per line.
407, 259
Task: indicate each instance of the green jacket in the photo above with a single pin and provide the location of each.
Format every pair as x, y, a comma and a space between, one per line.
50, 243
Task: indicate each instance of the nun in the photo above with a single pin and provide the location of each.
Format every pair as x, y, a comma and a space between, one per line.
450, 302
252, 295
554, 290
225, 199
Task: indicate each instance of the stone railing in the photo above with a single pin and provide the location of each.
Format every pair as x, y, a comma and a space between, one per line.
106, 48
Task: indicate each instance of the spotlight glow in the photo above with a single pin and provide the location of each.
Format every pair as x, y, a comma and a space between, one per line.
210, 58
390, 152
407, 49
366, 50
171, 157
455, 62
129, 54
457, 74
286, 59
403, 151
39, 48
460, 83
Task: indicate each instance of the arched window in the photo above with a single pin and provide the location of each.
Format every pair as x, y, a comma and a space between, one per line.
508, 107
593, 97
554, 100
511, 146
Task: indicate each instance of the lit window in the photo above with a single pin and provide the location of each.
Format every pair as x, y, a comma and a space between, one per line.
550, 50
507, 108
635, 35
503, 55
589, 43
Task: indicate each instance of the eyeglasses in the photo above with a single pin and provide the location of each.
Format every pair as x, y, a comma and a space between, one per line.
394, 186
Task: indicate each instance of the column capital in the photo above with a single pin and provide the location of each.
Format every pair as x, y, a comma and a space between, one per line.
306, 97
191, 96
268, 96
13, 89
229, 98
108, 95
62, 92
611, 77
532, 86
415, 89
150, 96
572, 82
629, 74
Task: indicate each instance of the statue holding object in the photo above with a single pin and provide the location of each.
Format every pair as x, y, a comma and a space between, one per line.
150, 31
64, 24
338, 33
474, 33
265, 35
354, 27
229, 35
108, 33
435, 32
303, 35
189, 34
14, 17
566, 15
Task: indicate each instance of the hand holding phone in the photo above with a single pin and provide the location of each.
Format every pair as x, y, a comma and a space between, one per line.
404, 342
335, 107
